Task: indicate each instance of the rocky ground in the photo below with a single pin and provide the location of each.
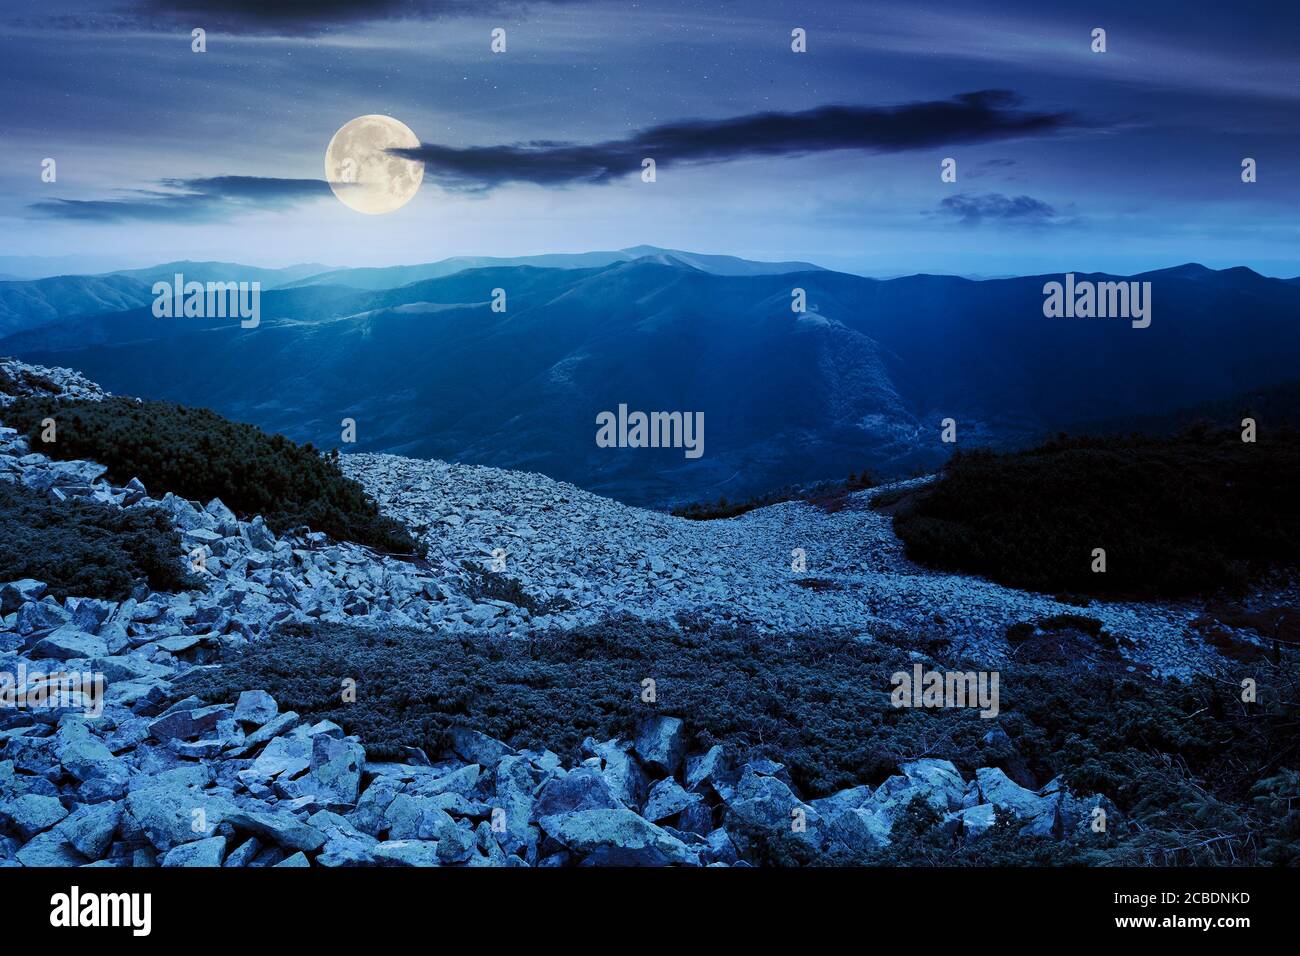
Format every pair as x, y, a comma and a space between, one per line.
158, 778
600, 556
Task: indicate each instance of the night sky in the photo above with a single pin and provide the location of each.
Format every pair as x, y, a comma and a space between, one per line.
1067, 159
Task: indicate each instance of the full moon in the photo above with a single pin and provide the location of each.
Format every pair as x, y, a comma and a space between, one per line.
362, 174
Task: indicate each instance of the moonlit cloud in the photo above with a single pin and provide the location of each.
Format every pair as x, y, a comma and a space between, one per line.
982, 116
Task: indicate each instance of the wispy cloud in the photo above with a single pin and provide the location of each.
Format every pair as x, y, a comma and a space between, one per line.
970, 117
973, 209
188, 200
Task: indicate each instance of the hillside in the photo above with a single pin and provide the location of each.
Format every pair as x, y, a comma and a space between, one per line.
500, 717
864, 378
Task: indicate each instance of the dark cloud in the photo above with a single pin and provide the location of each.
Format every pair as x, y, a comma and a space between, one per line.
970, 117
279, 17
973, 209
188, 200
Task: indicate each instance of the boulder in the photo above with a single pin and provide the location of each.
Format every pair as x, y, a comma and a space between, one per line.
627, 781
474, 747
209, 853
368, 817
997, 788
255, 708
615, 838
90, 828
661, 744
407, 853
67, 643
582, 789
704, 771
188, 724
169, 815
15, 594
85, 756
336, 768
37, 617
345, 845
281, 828
32, 813
667, 799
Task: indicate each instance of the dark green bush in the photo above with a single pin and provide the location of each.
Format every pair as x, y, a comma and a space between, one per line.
1176, 516
197, 454
1181, 759
87, 549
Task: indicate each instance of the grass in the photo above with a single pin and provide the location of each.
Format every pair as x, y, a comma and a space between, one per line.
1187, 763
1200, 512
198, 454
87, 549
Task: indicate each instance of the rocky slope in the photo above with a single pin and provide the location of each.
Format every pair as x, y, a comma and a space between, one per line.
160, 778
601, 557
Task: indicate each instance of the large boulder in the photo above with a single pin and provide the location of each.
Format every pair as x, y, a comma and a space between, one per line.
90, 828
277, 827
474, 747
616, 837
169, 815
768, 802
627, 781
407, 853
32, 813
668, 799
516, 780
67, 642
661, 744
15, 594
345, 845
255, 708
583, 788
205, 853
336, 768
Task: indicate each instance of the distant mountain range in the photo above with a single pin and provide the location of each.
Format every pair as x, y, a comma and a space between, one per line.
862, 379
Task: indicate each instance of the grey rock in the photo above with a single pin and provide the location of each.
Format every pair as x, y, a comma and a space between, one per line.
345, 845
661, 744
581, 789
170, 815
407, 853
703, 771
374, 803
40, 616
616, 838
624, 775
474, 747
32, 813
67, 642
336, 768
243, 854
209, 853
255, 707
668, 799
281, 828
15, 594
90, 828
996, 788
